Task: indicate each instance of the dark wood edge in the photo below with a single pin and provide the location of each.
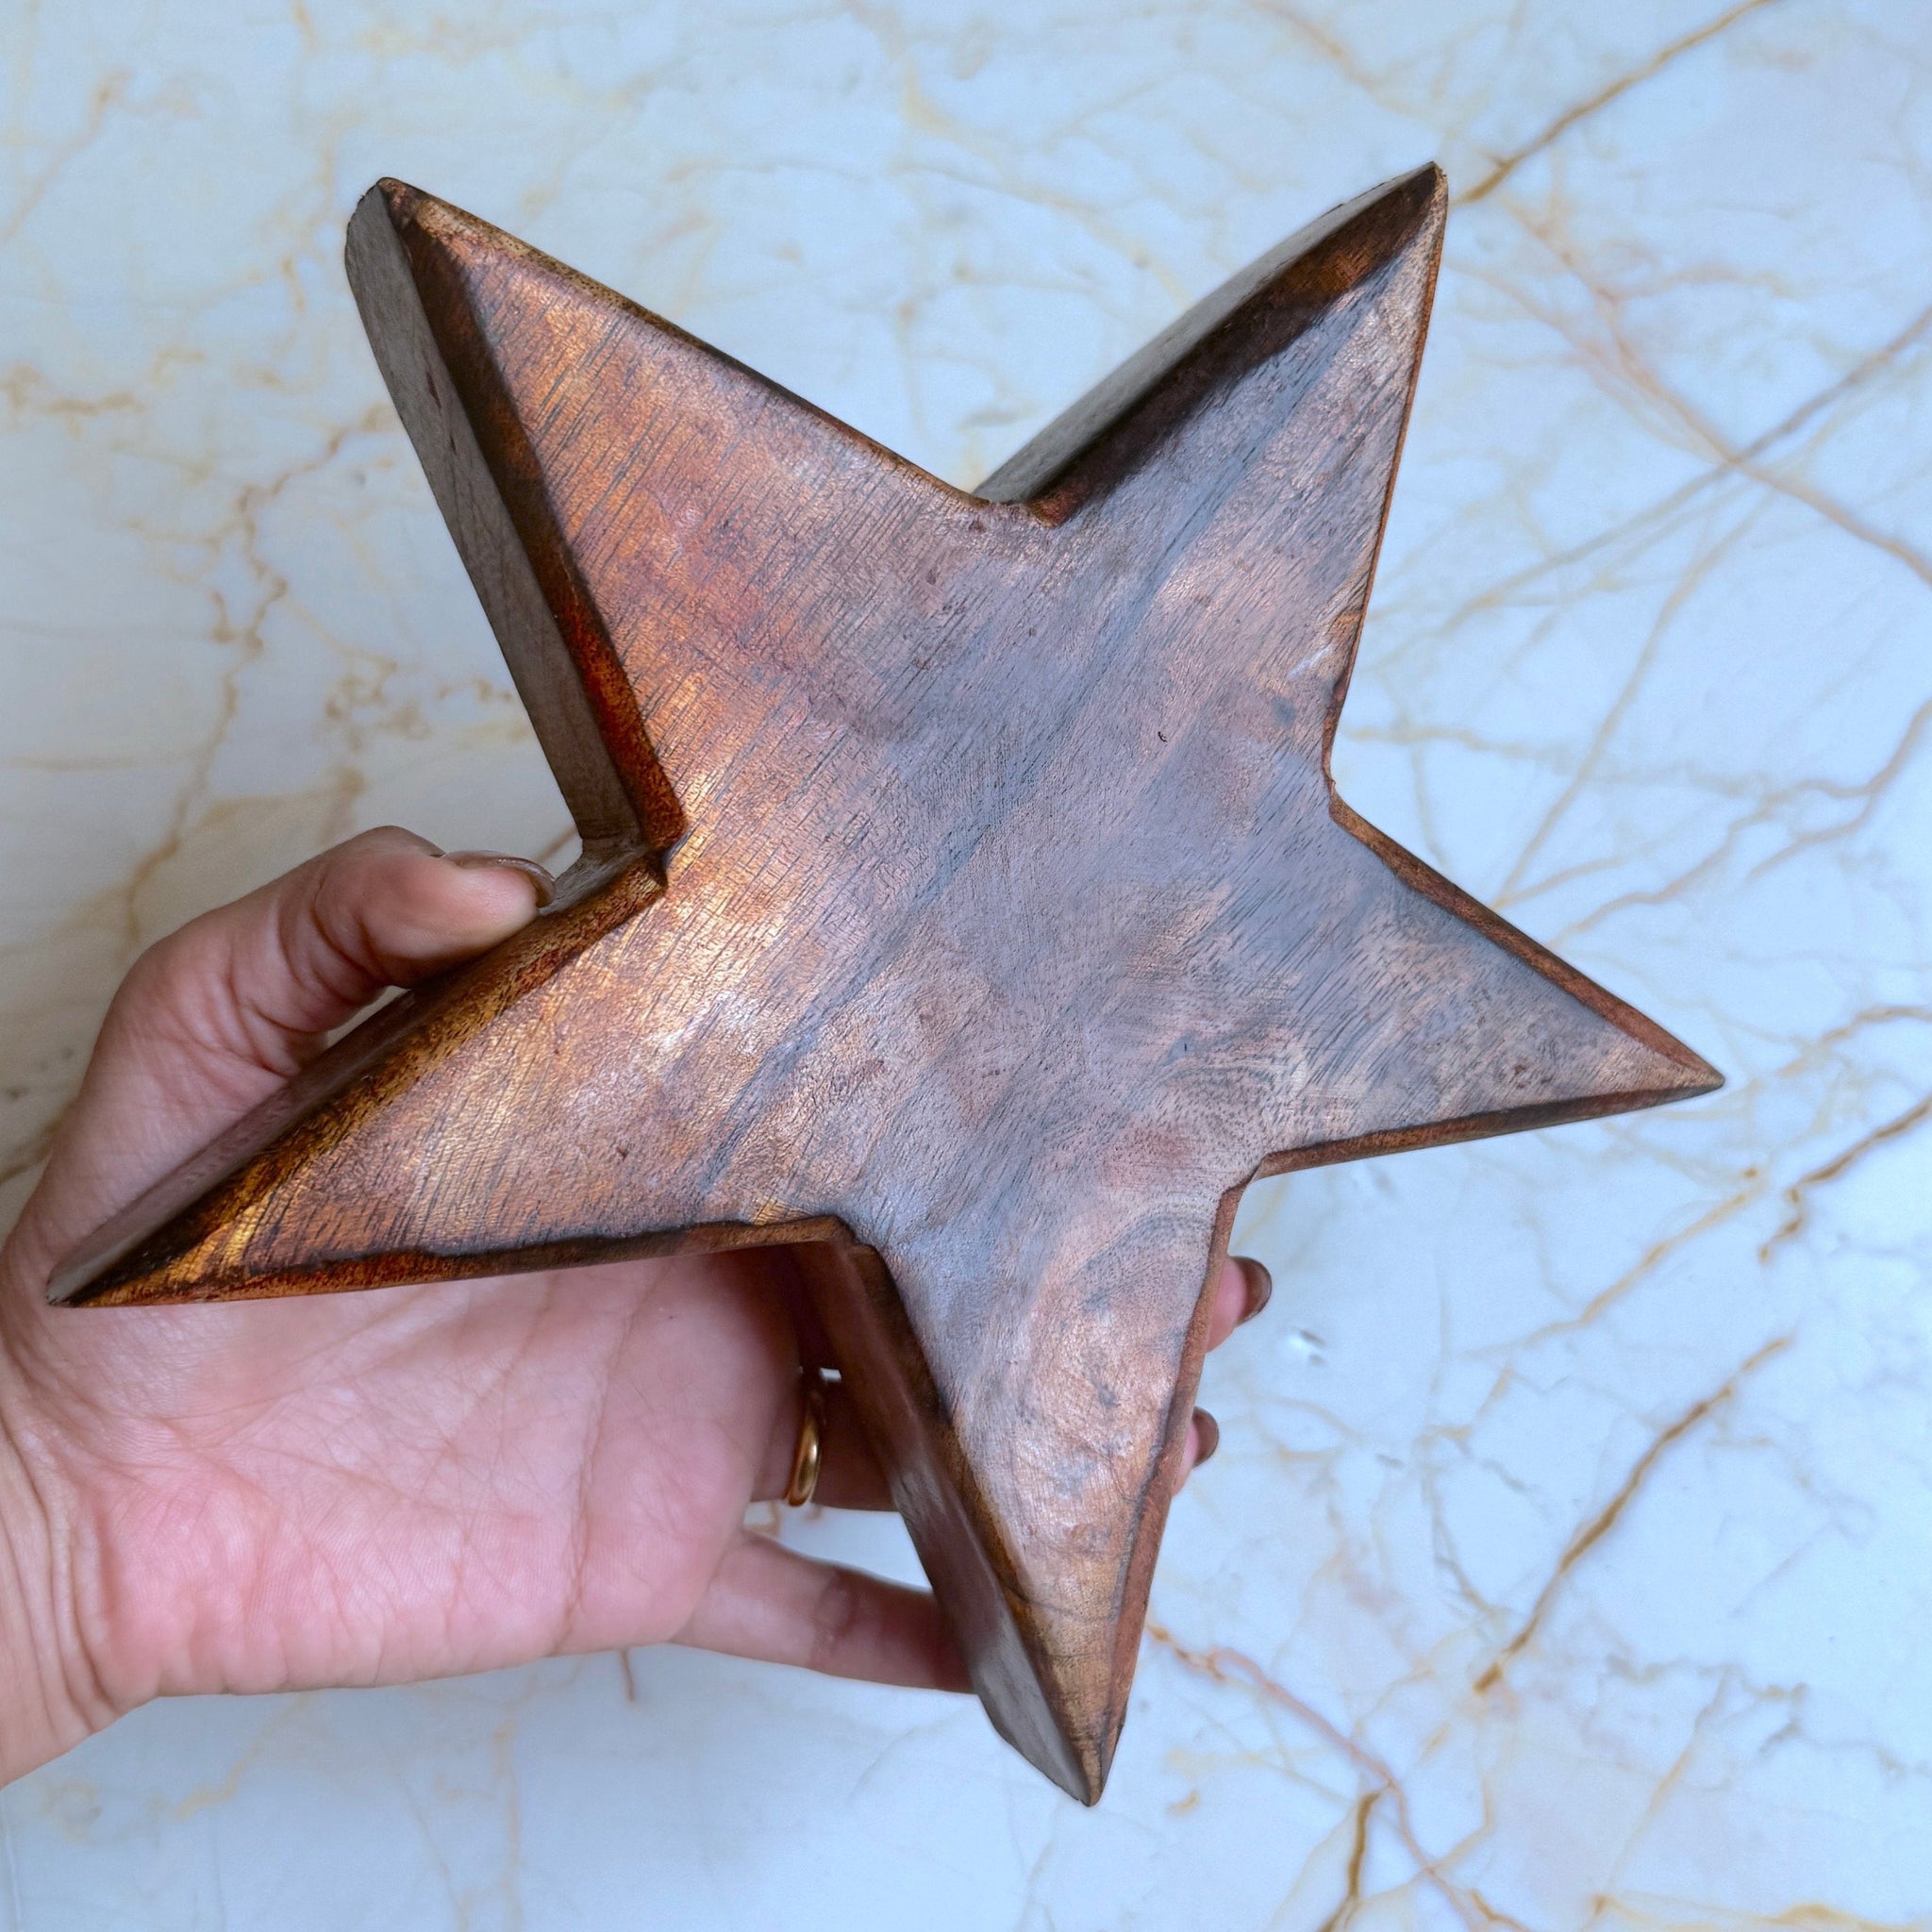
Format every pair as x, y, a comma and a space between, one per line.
1150, 1517
417, 1267
1476, 1127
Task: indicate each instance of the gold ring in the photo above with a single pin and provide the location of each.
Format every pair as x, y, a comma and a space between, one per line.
811, 1437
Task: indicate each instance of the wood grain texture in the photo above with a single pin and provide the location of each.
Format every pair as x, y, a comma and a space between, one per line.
964, 892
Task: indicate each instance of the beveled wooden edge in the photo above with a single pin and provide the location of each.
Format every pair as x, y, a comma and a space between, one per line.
134, 1254
957, 1537
1697, 1076
410, 1268
954, 1531
434, 369
409, 208
1100, 438
1163, 1482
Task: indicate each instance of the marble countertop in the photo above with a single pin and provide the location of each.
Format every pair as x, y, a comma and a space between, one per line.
1569, 1556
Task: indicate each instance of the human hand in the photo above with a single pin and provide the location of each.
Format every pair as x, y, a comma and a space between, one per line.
405, 1482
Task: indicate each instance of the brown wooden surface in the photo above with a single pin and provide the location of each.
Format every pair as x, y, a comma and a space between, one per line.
963, 889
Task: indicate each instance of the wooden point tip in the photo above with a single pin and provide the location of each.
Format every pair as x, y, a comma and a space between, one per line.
1429, 180
1671, 1070
397, 204
1395, 223
1667, 1070
388, 195
1695, 1075
64, 1286
96, 1275
1410, 210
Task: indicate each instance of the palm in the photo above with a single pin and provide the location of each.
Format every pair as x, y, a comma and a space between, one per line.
417, 1482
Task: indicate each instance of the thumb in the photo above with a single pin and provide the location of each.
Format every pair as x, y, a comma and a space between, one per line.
213, 1019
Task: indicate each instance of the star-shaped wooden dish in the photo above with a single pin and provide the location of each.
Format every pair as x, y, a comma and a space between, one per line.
963, 889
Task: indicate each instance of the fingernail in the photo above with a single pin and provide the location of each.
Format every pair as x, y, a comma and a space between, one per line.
1206, 1435
545, 885
1260, 1285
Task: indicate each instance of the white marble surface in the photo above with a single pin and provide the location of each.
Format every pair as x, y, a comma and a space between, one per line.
1569, 1559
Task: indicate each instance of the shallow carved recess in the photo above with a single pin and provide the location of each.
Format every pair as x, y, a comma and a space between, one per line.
963, 893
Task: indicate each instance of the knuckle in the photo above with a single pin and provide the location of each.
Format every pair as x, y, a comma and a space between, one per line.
840, 1617
380, 839
170, 980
